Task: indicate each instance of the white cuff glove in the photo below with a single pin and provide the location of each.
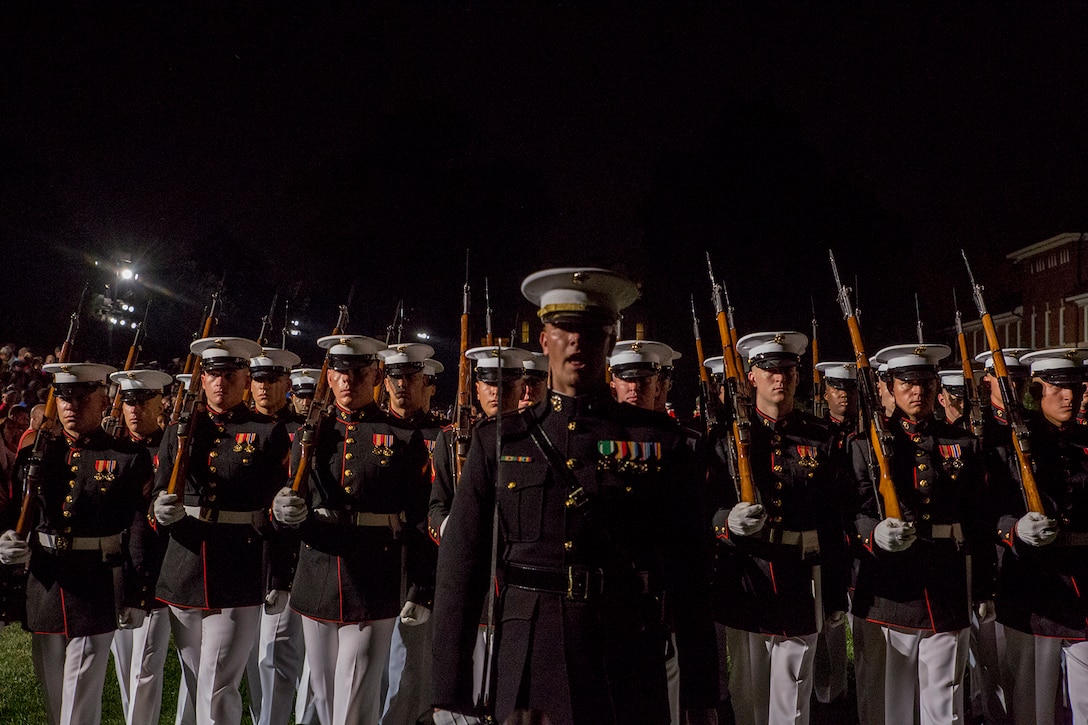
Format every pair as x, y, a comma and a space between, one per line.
414, 614
168, 509
289, 508
13, 550
746, 519
442, 527
131, 618
985, 611
275, 601
1036, 529
894, 535
448, 717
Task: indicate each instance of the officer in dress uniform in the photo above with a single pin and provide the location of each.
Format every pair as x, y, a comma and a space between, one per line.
142, 404
409, 673
275, 662
598, 521
360, 508
920, 574
782, 574
303, 388
1040, 598
90, 489
536, 380
212, 575
636, 372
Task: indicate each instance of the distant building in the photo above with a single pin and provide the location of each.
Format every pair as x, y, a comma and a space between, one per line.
1050, 280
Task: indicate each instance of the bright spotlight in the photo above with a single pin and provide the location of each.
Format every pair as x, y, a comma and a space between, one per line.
126, 273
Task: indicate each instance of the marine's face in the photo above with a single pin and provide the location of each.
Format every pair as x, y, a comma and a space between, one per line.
224, 389
405, 392
269, 392
535, 390
577, 351
488, 395
952, 404
353, 388
641, 392
142, 416
1059, 402
840, 403
916, 398
775, 386
82, 412
302, 404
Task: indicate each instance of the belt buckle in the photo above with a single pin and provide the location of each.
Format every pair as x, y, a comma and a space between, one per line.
209, 514
577, 498
62, 543
579, 579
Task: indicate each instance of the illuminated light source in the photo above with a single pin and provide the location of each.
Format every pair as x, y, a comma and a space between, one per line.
423, 336
126, 273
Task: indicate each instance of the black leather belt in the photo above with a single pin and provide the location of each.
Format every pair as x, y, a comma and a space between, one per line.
578, 583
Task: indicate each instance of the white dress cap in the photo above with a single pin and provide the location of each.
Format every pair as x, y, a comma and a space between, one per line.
273, 359
1057, 366
304, 379
225, 352
579, 290
914, 357
154, 380
951, 378
432, 367
715, 364
406, 356
78, 373
772, 348
1012, 357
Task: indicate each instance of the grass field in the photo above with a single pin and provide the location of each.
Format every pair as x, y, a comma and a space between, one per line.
21, 697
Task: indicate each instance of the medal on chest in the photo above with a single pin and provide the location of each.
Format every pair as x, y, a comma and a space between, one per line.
244, 442
104, 470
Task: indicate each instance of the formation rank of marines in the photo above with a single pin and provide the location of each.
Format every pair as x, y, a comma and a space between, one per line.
591, 559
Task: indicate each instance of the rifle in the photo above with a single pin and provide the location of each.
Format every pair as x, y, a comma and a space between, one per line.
918, 317
974, 406
266, 321
381, 393
185, 408
29, 511
307, 432
709, 408
1020, 436
192, 362
490, 338
463, 412
741, 437
872, 409
817, 379
113, 424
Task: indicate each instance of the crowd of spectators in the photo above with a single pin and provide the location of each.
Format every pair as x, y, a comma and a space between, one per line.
25, 389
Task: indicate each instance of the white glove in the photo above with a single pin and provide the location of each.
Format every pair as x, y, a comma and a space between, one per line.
442, 527
1036, 529
289, 508
275, 601
168, 509
448, 717
746, 519
414, 614
13, 550
894, 535
131, 618
836, 618
985, 611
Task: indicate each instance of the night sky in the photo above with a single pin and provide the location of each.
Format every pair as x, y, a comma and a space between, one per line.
305, 150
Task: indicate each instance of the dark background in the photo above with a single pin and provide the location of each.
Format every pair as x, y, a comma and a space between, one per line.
306, 149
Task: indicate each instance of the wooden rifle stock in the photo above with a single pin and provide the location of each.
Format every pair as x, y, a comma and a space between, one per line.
1020, 445
974, 406
307, 432
185, 412
709, 406
871, 405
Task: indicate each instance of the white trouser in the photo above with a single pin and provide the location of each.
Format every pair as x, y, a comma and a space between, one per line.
150, 648
771, 677
274, 665
121, 649
829, 665
672, 678
225, 638
410, 692
80, 664
305, 710
924, 674
1032, 671
984, 661
346, 666
870, 653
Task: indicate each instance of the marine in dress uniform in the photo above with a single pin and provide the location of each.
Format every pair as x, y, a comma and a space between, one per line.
1040, 599
90, 490
636, 373
142, 404
360, 508
303, 388
409, 670
781, 574
923, 573
536, 380
665, 377
275, 663
840, 393
952, 396
212, 575
597, 522
431, 370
